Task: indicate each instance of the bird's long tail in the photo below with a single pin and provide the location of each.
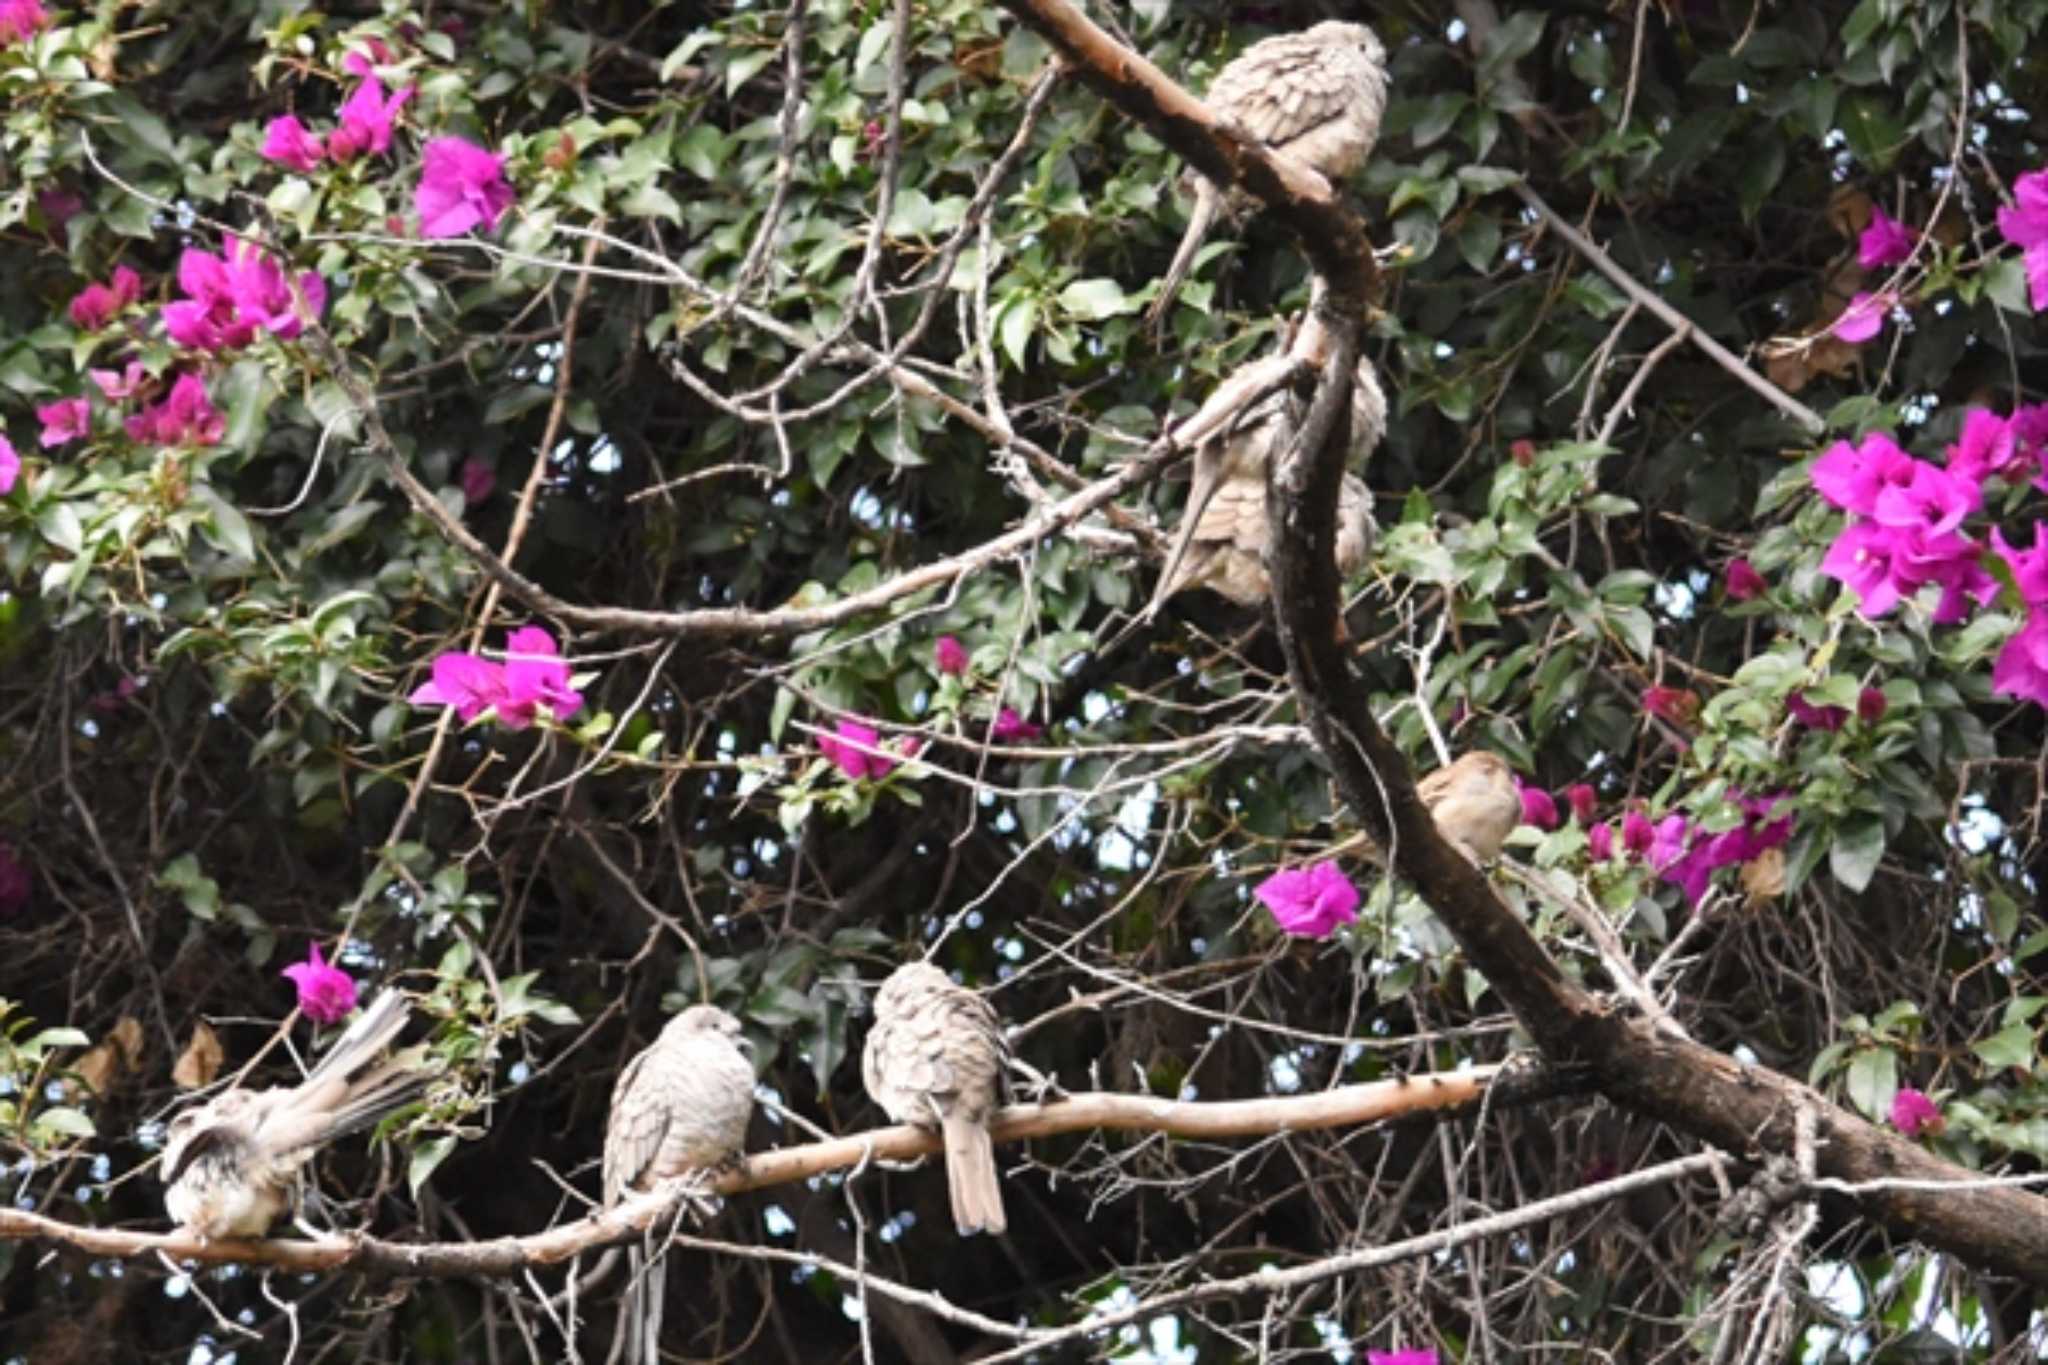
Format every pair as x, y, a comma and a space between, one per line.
971, 1178
1208, 200
353, 1085
637, 1340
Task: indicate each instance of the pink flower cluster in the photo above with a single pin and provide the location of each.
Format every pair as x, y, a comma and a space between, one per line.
231, 297
1903, 531
20, 20
856, 749
1679, 852
96, 304
1913, 1114
186, 416
532, 678
326, 993
367, 118
1310, 902
1886, 241
2025, 225
1870, 709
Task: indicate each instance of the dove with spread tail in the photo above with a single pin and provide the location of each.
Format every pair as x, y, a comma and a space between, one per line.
236, 1164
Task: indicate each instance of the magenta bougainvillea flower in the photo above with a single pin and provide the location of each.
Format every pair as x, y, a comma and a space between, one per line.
1863, 318
96, 304
1678, 705
229, 298
1310, 902
326, 993
1011, 728
950, 656
368, 117
1913, 1113
1538, 808
2025, 225
855, 748
533, 678
477, 479
1600, 842
286, 141
64, 421
2021, 669
119, 385
1743, 581
10, 466
20, 20
186, 416
1816, 717
461, 187
1581, 797
1887, 241
1637, 833
1871, 705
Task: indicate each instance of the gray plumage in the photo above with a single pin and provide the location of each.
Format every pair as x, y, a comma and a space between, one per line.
235, 1164
1223, 534
1317, 95
934, 1058
681, 1105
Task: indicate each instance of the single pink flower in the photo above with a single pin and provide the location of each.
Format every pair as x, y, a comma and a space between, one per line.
2021, 669
118, 385
1581, 797
1538, 808
326, 994
263, 297
1913, 1114
1678, 705
950, 656
287, 142
1600, 842
1743, 581
1637, 833
96, 304
1870, 705
461, 187
1987, 445
470, 684
1886, 241
2029, 567
1310, 902
1012, 728
10, 466
477, 479
2025, 225
364, 64
64, 421
1816, 717
536, 676
856, 750
185, 417
1863, 318
21, 19
367, 118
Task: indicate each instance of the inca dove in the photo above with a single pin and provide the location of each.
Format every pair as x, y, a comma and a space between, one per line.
1475, 803
1317, 95
233, 1165
1221, 543
934, 1058
681, 1105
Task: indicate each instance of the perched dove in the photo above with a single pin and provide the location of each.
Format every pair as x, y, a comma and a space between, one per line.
235, 1164
1221, 542
934, 1058
1317, 95
681, 1105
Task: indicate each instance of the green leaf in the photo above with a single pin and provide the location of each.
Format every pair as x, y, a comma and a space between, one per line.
1873, 1080
2011, 1046
425, 1158
1858, 848
65, 1120
1095, 299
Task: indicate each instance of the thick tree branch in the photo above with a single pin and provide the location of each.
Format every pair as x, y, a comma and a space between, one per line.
1343, 1107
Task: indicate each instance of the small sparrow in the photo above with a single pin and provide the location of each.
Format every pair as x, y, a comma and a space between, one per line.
1475, 803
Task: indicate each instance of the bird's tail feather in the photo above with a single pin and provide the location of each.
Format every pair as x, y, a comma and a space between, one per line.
1200, 220
971, 1178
